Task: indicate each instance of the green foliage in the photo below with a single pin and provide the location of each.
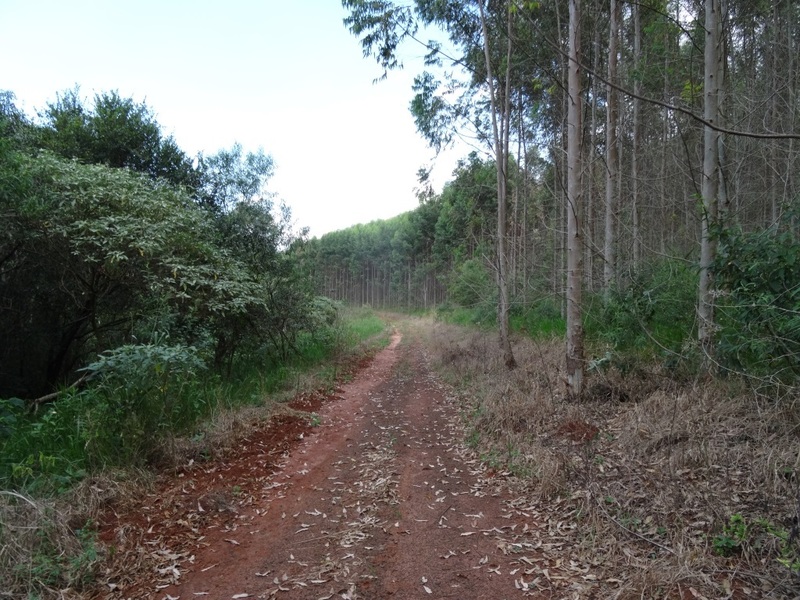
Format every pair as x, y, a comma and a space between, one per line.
77, 569
115, 131
654, 314
324, 335
414, 261
540, 320
233, 178
757, 538
141, 392
432, 115
364, 324
759, 309
121, 275
472, 284
383, 26
90, 253
483, 316
11, 411
734, 533
136, 395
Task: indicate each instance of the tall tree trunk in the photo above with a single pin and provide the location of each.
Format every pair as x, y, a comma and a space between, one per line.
637, 136
774, 119
669, 212
501, 117
574, 245
591, 157
710, 187
612, 157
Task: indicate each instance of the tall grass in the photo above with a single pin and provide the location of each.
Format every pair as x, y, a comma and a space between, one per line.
363, 324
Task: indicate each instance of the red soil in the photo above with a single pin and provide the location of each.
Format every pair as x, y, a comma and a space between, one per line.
380, 500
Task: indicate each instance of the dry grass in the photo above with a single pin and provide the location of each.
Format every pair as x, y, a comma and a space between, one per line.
680, 489
47, 546
43, 552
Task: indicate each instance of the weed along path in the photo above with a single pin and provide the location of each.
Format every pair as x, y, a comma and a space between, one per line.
379, 500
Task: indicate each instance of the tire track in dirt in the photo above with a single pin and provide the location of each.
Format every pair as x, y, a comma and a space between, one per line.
380, 501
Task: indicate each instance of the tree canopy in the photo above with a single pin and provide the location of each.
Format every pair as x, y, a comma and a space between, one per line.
113, 236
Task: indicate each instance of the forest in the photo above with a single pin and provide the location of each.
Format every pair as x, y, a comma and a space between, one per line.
632, 195
133, 279
669, 216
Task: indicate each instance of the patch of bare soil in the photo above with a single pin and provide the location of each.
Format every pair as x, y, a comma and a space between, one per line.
379, 500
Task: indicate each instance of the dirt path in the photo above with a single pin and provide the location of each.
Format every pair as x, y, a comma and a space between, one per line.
381, 500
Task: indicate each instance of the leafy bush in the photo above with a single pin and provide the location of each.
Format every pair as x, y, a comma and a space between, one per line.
484, 315
472, 285
541, 320
759, 306
655, 313
135, 395
141, 392
758, 537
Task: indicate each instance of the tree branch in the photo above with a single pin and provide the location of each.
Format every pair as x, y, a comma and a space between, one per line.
49, 397
663, 104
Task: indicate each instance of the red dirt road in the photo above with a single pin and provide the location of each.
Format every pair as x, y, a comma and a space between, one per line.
381, 500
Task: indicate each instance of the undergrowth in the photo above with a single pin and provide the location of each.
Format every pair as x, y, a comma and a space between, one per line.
674, 482
144, 406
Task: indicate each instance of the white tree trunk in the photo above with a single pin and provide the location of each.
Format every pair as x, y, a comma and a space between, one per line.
637, 137
574, 240
710, 188
501, 122
612, 157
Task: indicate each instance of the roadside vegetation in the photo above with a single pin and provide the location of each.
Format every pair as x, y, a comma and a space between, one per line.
148, 301
153, 409
670, 479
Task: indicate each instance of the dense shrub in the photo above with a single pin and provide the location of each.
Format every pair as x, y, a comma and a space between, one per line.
654, 313
541, 319
758, 275
472, 284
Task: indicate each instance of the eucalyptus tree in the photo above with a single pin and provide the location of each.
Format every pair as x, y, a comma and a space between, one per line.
482, 33
575, 354
232, 176
713, 68
612, 155
637, 136
500, 103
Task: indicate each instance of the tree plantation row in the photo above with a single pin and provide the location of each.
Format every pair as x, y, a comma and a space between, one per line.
642, 152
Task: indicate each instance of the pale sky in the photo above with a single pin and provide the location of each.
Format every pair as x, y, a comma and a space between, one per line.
283, 75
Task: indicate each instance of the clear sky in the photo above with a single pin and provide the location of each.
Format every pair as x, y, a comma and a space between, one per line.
283, 75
